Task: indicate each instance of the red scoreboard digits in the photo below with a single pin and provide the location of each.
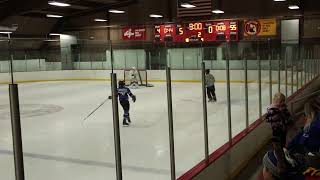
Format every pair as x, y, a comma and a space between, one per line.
197, 32
165, 33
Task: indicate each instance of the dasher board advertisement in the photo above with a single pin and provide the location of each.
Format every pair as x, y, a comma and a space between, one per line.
134, 33
260, 27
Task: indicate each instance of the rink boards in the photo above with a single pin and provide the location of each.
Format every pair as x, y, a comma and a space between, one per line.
236, 76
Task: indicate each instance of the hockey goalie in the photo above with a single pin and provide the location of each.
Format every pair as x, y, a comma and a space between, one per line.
134, 82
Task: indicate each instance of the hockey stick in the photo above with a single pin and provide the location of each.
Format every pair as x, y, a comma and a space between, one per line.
96, 109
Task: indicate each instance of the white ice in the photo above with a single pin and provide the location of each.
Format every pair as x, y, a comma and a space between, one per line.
59, 145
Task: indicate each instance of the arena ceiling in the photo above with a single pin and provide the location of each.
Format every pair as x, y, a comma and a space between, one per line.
30, 15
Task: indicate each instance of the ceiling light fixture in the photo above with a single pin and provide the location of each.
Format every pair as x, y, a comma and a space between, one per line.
54, 34
51, 40
187, 5
5, 32
293, 7
54, 16
155, 16
60, 4
116, 11
100, 20
217, 11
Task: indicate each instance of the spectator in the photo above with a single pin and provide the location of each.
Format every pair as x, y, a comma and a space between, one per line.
303, 155
280, 119
308, 139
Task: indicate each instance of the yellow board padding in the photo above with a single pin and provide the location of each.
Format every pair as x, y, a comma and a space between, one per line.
57, 80
107, 79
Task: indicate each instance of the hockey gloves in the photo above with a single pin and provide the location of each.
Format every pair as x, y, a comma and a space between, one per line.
134, 98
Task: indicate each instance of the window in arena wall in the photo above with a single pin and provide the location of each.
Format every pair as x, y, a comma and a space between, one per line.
210, 53
233, 52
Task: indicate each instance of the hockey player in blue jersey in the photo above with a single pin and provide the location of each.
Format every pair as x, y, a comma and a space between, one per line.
124, 93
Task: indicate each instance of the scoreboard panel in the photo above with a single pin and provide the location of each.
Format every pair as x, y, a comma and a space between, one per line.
197, 32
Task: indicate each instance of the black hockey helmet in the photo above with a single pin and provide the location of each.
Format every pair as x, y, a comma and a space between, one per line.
121, 83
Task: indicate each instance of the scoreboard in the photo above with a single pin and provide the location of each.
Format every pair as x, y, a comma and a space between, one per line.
197, 32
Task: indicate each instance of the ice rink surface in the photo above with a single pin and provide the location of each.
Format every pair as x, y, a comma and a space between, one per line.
59, 145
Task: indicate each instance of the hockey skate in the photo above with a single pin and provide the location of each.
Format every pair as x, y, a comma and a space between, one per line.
129, 120
125, 123
214, 99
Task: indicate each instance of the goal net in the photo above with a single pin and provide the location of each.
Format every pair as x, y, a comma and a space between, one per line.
139, 75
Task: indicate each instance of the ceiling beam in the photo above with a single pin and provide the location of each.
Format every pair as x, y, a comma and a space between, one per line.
17, 7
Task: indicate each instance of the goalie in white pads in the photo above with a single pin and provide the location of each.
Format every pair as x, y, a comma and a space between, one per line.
134, 83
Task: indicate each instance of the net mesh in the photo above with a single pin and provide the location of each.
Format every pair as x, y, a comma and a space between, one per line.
140, 74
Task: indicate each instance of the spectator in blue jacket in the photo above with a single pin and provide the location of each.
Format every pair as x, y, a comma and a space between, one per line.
308, 139
303, 155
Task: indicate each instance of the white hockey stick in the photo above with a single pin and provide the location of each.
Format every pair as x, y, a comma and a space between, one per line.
96, 109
